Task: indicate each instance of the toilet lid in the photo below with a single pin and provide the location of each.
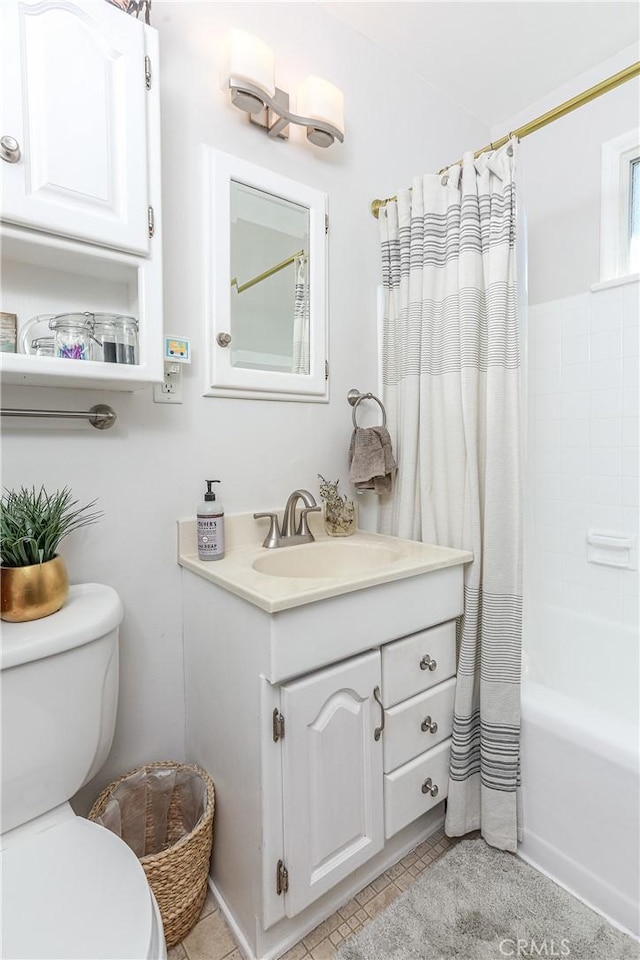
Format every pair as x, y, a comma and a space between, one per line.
75, 892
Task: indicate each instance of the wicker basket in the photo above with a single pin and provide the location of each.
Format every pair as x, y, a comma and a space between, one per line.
178, 872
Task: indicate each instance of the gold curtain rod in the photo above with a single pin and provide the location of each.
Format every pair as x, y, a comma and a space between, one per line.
267, 273
567, 107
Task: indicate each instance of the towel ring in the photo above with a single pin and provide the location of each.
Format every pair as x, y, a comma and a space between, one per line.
355, 398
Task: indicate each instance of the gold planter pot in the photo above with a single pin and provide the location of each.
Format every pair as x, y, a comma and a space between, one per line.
29, 593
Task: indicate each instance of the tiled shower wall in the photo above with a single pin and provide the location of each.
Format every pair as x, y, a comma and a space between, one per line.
582, 448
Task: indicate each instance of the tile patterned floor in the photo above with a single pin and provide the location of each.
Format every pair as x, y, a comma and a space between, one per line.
211, 938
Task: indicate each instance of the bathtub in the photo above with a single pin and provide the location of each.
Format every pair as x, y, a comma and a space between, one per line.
580, 760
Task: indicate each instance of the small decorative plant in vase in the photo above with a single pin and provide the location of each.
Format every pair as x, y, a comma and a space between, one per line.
340, 515
33, 523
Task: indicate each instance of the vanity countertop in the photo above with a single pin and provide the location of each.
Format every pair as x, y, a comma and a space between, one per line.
244, 536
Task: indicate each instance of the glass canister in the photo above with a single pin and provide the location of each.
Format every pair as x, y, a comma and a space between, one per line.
126, 340
43, 346
72, 335
105, 332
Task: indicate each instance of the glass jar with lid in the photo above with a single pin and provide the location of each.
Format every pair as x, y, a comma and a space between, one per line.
127, 340
43, 346
72, 336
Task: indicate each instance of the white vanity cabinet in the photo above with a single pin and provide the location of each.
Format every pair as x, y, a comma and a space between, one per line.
80, 209
73, 127
319, 789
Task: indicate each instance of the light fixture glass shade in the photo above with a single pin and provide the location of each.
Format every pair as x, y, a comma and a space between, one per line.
321, 100
251, 60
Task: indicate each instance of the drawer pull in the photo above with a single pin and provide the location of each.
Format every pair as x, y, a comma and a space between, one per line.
430, 787
429, 725
427, 663
377, 733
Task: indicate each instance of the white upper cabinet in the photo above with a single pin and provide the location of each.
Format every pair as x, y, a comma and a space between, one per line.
74, 121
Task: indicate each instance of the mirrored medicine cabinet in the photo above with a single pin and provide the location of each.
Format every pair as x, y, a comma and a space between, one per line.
266, 283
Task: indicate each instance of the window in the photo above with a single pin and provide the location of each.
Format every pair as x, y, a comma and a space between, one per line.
620, 221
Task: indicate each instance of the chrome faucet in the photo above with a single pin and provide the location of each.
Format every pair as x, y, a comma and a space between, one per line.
290, 533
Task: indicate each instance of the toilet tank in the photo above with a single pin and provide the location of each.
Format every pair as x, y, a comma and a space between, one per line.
59, 692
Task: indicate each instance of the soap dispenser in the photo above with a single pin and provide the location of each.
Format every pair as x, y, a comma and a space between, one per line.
210, 526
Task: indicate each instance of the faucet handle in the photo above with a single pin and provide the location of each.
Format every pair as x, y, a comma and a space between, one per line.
273, 537
303, 526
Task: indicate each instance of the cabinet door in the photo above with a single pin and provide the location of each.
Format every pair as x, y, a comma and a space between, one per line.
75, 100
332, 777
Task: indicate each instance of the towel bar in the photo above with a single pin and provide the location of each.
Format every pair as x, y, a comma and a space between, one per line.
354, 397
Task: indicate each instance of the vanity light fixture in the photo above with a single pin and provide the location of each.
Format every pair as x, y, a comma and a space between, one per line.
250, 76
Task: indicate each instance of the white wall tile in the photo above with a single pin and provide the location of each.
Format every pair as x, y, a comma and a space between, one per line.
630, 341
575, 460
630, 371
606, 432
605, 374
604, 516
607, 403
575, 405
575, 433
604, 604
576, 488
582, 462
605, 312
629, 401
573, 513
605, 346
630, 459
575, 377
606, 462
630, 491
630, 431
631, 611
575, 349
606, 490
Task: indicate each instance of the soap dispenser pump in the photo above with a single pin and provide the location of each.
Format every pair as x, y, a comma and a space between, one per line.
210, 521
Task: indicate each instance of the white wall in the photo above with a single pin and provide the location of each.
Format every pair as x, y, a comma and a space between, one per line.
150, 469
559, 176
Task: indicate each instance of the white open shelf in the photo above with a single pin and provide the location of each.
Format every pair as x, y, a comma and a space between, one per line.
45, 274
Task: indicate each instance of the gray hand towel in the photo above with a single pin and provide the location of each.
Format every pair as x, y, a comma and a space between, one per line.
371, 462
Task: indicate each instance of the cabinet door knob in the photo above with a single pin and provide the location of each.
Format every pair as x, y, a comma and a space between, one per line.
427, 663
223, 339
430, 787
429, 725
9, 149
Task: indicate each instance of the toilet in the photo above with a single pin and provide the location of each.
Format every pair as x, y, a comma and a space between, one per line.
71, 890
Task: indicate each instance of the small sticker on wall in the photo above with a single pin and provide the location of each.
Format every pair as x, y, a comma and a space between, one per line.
177, 349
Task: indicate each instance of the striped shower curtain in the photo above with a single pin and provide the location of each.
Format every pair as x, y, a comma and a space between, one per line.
452, 391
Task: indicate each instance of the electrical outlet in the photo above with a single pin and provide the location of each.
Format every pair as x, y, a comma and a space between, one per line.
170, 390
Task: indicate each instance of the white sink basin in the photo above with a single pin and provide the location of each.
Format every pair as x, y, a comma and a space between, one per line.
334, 558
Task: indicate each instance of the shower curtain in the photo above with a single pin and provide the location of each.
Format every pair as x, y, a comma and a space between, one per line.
452, 392
301, 316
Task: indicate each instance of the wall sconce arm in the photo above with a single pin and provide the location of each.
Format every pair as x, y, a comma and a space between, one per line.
275, 116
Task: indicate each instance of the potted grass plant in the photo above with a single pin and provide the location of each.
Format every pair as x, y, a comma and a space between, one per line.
33, 523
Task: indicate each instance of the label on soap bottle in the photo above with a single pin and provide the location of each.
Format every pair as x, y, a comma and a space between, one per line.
210, 537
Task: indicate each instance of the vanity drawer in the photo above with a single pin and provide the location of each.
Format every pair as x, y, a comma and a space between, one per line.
408, 664
418, 724
408, 790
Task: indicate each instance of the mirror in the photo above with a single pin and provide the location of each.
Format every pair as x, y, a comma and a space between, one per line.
266, 283
269, 281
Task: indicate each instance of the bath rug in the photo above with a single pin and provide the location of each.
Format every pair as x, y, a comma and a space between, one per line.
478, 903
